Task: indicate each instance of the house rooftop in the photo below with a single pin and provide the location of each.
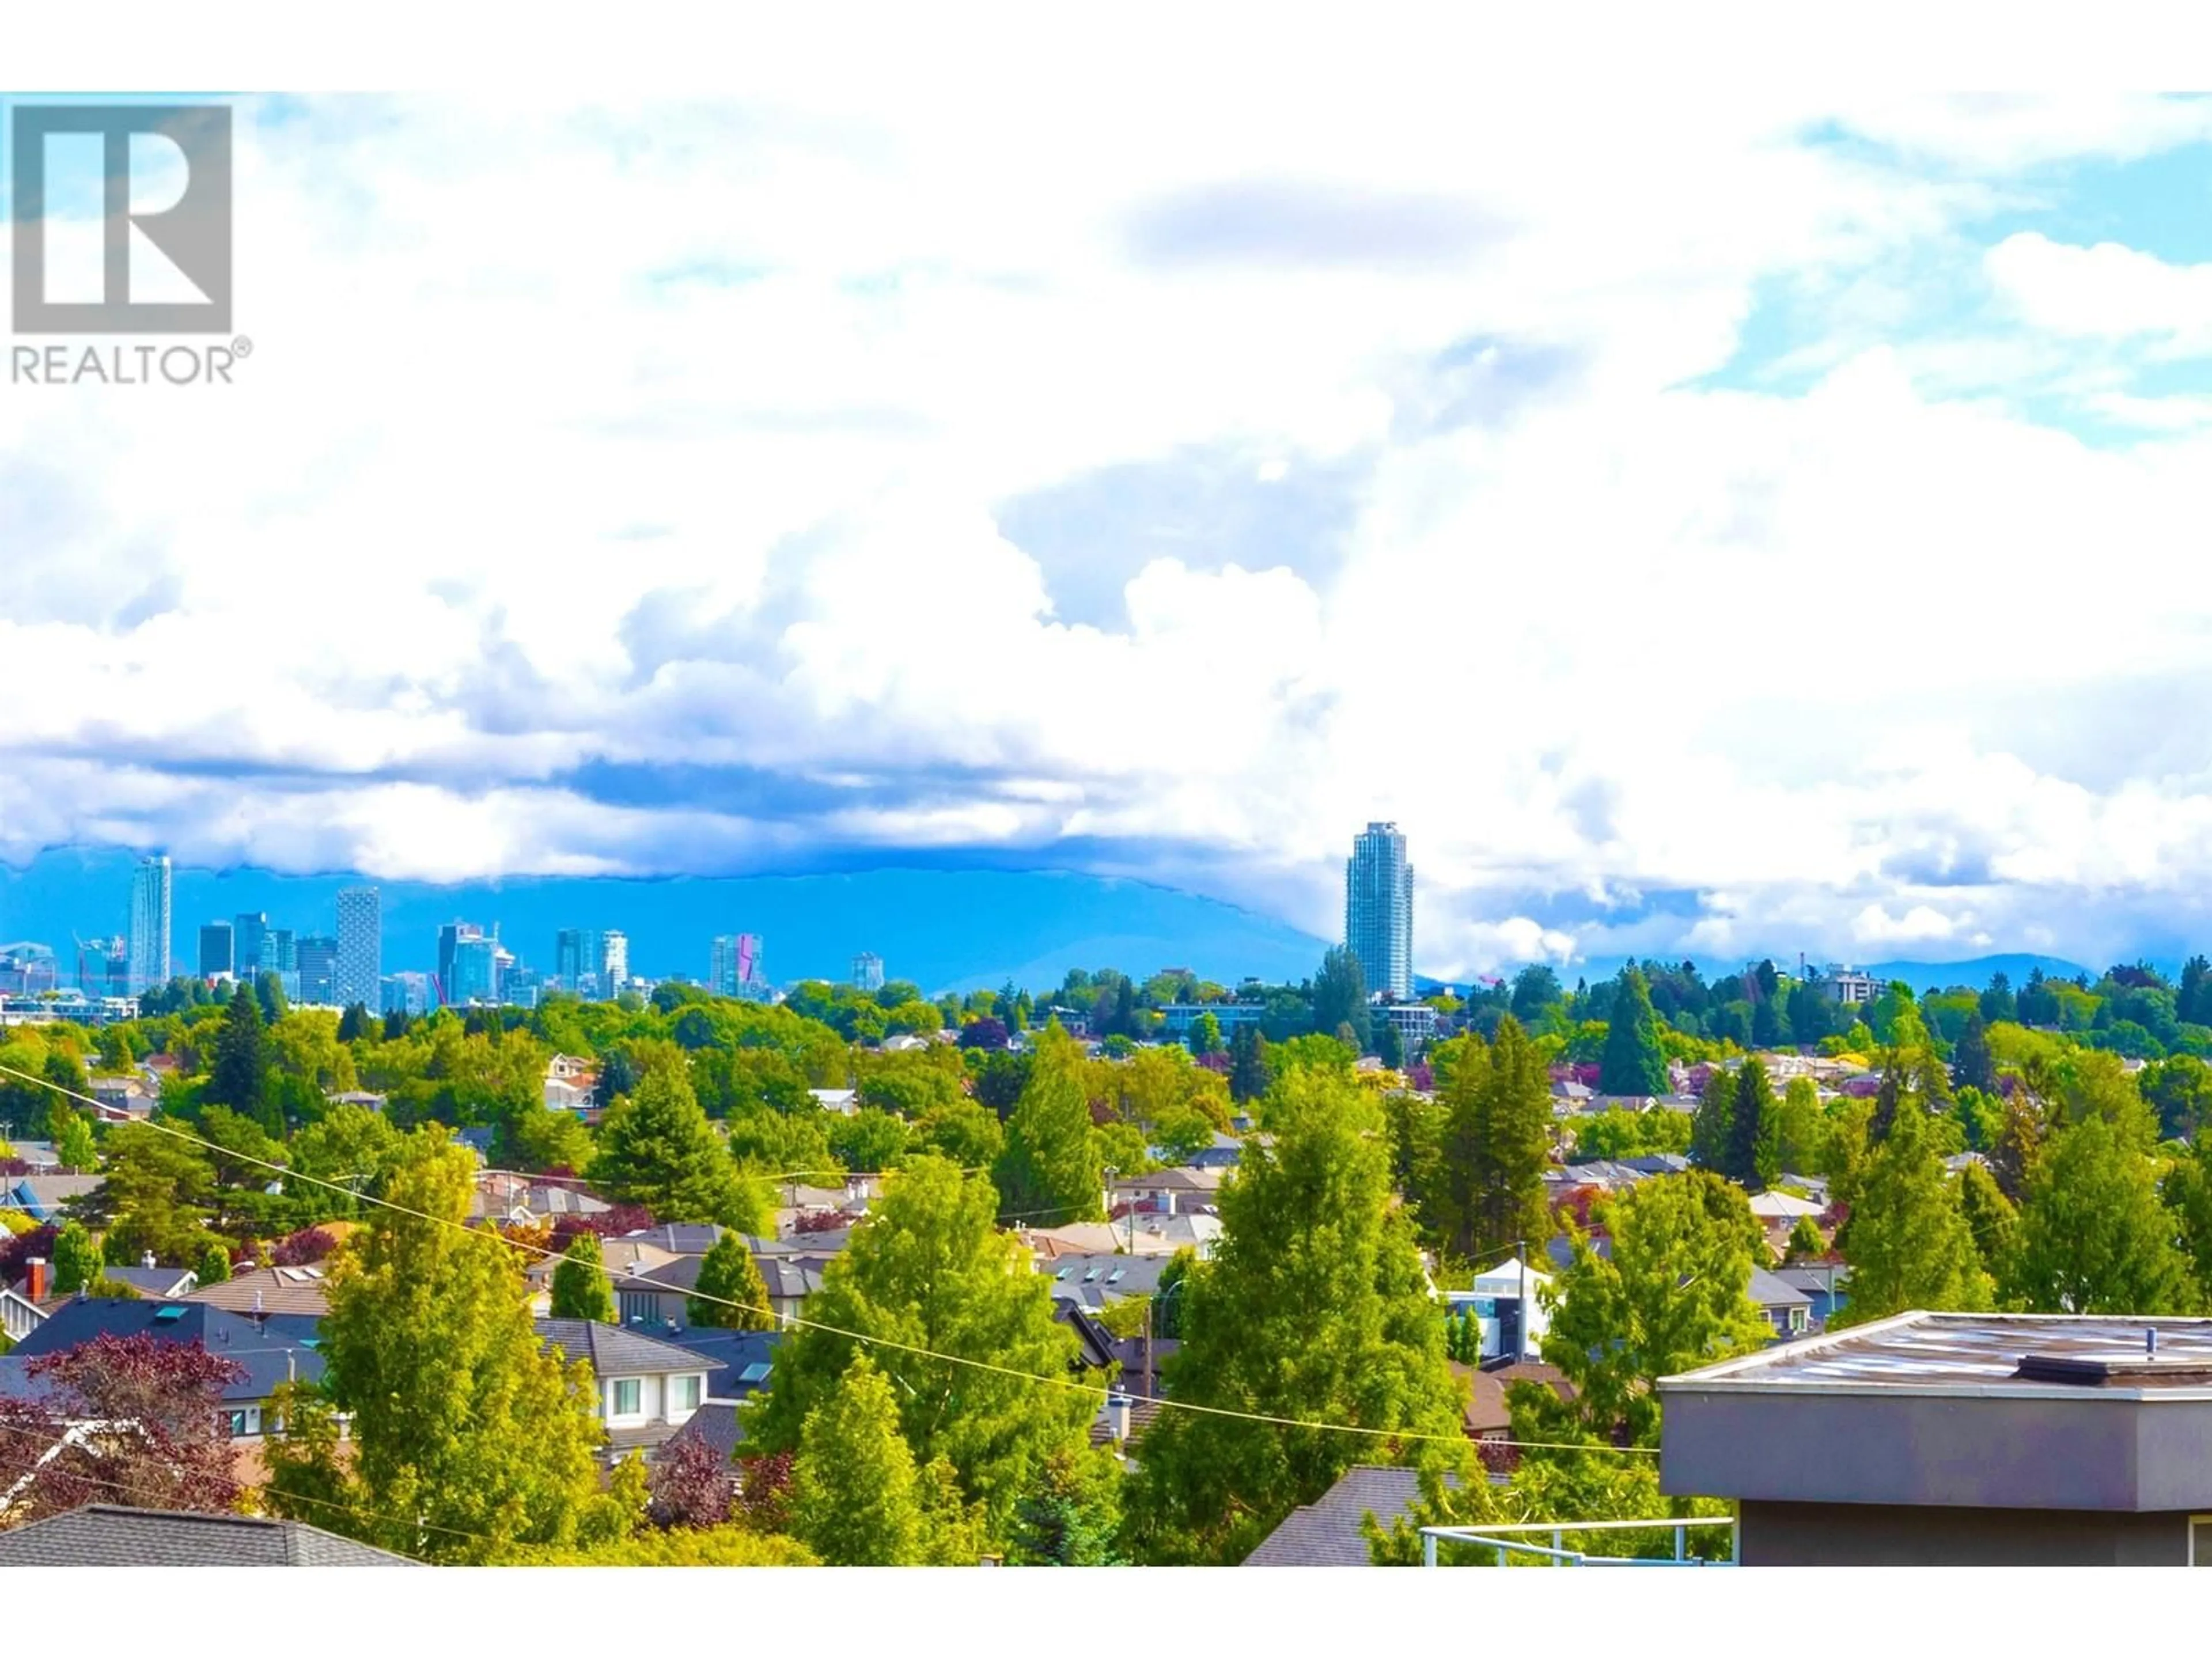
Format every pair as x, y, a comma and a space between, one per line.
2015, 1355
614, 1351
112, 1535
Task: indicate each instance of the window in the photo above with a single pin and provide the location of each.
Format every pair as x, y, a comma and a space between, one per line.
2200, 1540
626, 1397
640, 1305
683, 1394
245, 1422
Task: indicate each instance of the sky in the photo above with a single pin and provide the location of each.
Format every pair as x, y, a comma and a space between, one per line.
1714, 523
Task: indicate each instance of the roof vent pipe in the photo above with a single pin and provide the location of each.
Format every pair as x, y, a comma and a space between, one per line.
2150, 1342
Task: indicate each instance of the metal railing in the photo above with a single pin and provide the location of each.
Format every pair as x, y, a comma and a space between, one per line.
1558, 1555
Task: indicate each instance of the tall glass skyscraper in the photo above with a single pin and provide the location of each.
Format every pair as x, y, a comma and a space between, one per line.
1378, 909
218, 953
318, 957
249, 936
149, 924
359, 973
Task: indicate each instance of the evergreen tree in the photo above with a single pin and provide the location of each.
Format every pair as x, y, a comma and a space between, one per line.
1805, 1241
1449, 1173
239, 1076
1754, 1129
1633, 1062
729, 1274
1073, 1516
213, 1265
1313, 1309
929, 1270
1972, 1066
1248, 1063
1390, 1047
580, 1290
854, 1500
354, 1024
1992, 1221
2093, 1237
77, 1259
1803, 1133
1907, 1240
1339, 996
657, 1150
1712, 1126
1513, 1144
468, 1435
75, 1146
1049, 1173
268, 992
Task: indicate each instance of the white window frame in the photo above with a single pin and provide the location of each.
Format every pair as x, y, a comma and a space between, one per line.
692, 1388
636, 1407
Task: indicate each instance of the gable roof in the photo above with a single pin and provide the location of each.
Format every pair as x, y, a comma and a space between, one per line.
1770, 1291
269, 1289
1487, 1410
41, 1196
614, 1352
737, 1362
1327, 1533
274, 1351
1094, 1343
1095, 1281
714, 1425
168, 1284
111, 1535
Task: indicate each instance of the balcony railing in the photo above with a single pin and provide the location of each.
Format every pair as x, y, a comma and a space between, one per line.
1506, 1540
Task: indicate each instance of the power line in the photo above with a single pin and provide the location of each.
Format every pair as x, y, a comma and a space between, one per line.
797, 1322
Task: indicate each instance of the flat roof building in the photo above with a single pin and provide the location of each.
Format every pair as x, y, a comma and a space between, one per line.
1943, 1439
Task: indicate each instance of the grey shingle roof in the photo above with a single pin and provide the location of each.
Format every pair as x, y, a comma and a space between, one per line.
714, 1425
1327, 1533
614, 1352
109, 1535
271, 1352
154, 1281
1769, 1292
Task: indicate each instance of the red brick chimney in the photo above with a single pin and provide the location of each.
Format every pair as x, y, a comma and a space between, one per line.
40, 1280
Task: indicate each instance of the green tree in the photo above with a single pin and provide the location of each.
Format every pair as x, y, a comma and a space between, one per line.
1205, 1036
1992, 1221
580, 1290
239, 1076
154, 1196
1390, 1047
1072, 1517
1339, 996
854, 1499
928, 1271
1673, 1295
1972, 1065
1907, 1239
1712, 1126
77, 1259
1633, 1063
2094, 1239
213, 1265
1511, 1145
728, 1276
1248, 1063
75, 1147
1805, 1241
469, 1436
1049, 1172
657, 1149
1754, 1129
1802, 1130
1314, 1309
2179, 1090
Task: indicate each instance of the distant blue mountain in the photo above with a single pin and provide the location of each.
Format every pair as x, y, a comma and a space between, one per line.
946, 929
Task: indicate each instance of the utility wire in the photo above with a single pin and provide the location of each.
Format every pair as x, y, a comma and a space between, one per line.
797, 1322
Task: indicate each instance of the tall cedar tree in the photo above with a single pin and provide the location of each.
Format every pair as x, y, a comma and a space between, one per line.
929, 1270
1340, 995
728, 1276
1248, 1063
177, 1455
580, 1290
1907, 1241
1448, 1198
2093, 1237
469, 1436
1633, 1062
1512, 1144
240, 1077
1049, 1173
854, 1499
1972, 1065
1754, 1129
1314, 1309
1711, 1127
657, 1150
1673, 1295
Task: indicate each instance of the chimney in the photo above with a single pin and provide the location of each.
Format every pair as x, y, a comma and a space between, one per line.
1117, 1414
40, 1282
147, 1260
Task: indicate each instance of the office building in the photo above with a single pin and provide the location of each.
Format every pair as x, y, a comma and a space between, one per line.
868, 971
473, 971
614, 962
318, 955
734, 966
276, 956
576, 960
360, 947
1952, 1439
451, 938
250, 943
218, 950
1378, 909
150, 889
407, 993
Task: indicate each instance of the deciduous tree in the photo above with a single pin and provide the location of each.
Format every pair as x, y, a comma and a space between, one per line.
580, 1290
1049, 1173
1907, 1240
